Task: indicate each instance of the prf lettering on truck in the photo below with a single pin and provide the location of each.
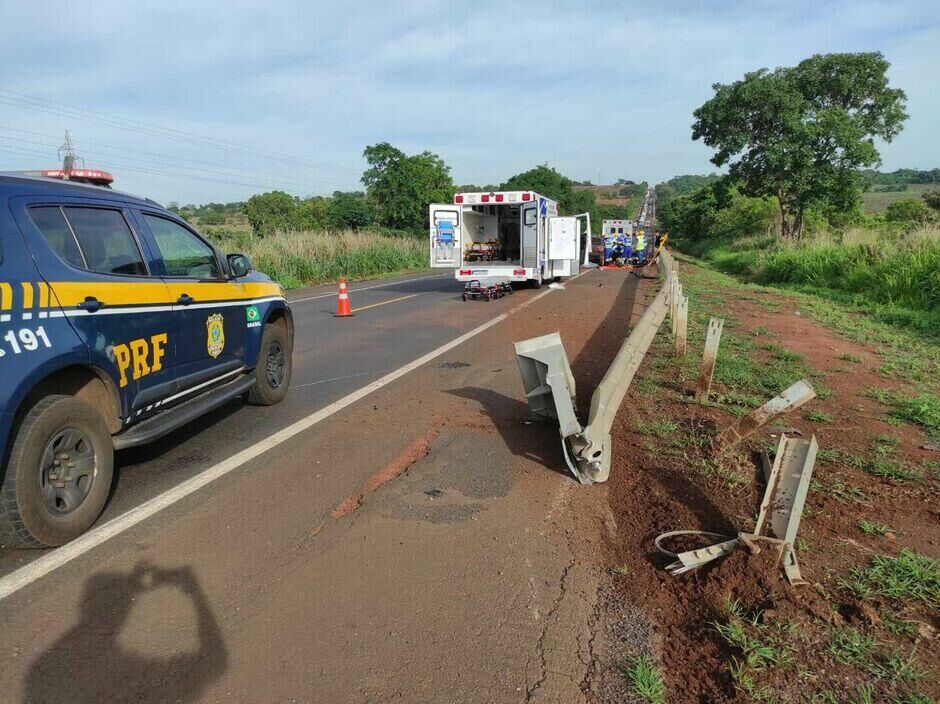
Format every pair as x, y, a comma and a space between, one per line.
145, 357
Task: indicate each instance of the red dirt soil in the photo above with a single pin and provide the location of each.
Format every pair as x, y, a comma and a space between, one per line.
655, 488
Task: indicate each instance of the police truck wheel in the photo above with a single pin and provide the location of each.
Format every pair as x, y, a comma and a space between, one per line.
58, 476
273, 371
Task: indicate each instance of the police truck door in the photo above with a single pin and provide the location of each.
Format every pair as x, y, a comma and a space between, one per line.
208, 307
445, 236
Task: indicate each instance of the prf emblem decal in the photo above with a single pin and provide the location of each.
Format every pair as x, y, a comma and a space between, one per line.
215, 335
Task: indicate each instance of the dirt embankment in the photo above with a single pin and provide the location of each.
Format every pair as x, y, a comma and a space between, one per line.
865, 627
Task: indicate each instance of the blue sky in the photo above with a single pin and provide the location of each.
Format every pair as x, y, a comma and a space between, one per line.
600, 90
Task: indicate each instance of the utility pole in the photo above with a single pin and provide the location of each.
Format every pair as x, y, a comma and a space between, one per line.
67, 154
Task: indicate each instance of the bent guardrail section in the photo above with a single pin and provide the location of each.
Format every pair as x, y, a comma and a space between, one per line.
550, 390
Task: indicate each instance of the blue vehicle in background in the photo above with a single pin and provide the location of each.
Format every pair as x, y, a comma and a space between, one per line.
118, 324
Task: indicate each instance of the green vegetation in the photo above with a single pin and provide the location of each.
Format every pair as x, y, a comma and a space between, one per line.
877, 201
922, 409
910, 575
799, 134
402, 186
789, 212
873, 528
297, 258
646, 679
850, 647
759, 645
273, 211
838, 489
818, 417
661, 429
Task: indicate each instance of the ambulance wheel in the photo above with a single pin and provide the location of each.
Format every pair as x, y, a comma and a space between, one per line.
58, 475
537, 282
273, 370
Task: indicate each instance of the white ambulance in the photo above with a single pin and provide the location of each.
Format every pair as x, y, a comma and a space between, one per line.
505, 236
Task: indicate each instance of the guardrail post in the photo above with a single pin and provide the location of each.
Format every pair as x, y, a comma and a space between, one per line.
709, 356
793, 397
682, 324
675, 293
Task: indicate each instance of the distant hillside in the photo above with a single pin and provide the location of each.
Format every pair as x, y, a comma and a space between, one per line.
877, 199
616, 201
899, 177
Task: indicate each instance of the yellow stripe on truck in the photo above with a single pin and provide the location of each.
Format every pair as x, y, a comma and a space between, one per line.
211, 291
111, 293
6, 296
27, 294
71, 293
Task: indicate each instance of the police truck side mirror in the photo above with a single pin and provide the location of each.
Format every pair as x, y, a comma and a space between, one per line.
239, 264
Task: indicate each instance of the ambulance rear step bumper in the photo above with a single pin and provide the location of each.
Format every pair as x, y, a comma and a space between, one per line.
169, 420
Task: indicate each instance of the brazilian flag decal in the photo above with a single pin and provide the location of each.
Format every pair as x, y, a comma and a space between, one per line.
251, 314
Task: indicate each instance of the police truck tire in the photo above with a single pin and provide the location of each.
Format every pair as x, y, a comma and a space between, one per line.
58, 475
273, 371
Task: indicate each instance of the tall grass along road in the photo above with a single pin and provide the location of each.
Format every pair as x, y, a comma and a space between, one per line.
302, 258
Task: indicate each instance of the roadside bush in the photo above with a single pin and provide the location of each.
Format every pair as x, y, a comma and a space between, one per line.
907, 211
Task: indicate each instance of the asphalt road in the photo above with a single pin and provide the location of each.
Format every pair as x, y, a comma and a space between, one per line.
425, 543
398, 320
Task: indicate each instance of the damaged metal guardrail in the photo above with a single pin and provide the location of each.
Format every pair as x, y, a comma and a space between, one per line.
550, 389
778, 521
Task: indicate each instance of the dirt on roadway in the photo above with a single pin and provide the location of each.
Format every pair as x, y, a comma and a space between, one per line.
424, 545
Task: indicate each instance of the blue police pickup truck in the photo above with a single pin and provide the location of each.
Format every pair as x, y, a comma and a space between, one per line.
118, 324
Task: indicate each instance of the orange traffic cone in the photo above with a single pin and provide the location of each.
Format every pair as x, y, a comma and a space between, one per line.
343, 308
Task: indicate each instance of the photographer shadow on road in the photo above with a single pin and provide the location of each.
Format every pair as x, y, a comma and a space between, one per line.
100, 659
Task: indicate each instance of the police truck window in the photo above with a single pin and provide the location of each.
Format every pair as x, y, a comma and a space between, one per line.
183, 253
51, 223
106, 241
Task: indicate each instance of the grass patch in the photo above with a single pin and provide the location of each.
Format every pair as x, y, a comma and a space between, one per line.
621, 570
854, 358
646, 680
838, 489
818, 417
759, 646
661, 429
887, 468
909, 576
873, 528
850, 647
922, 409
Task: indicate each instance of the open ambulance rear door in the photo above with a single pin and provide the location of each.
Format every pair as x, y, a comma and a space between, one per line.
563, 246
445, 236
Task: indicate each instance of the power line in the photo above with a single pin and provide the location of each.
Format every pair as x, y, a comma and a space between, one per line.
155, 172
132, 160
24, 101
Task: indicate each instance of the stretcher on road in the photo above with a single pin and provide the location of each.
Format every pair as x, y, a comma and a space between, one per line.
474, 289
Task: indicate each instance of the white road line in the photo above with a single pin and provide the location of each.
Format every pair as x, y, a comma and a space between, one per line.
335, 378
366, 288
55, 559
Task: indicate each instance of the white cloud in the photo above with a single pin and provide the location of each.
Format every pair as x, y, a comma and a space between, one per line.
593, 87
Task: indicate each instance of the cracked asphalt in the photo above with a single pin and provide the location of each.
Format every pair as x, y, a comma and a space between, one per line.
465, 566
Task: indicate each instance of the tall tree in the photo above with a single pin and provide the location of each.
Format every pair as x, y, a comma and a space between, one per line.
801, 133
271, 211
403, 186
